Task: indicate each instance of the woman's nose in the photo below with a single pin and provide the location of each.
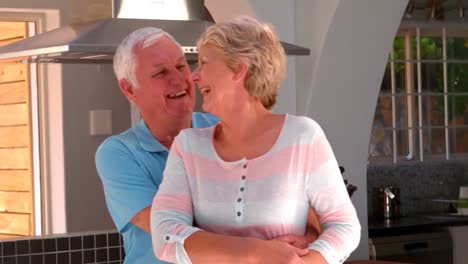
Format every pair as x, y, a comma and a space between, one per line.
196, 75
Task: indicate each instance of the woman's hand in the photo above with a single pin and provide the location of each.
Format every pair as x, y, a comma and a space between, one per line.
275, 252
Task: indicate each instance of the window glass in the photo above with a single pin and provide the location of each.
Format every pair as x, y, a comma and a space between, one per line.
457, 48
432, 77
433, 141
458, 110
432, 110
458, 138
457, 77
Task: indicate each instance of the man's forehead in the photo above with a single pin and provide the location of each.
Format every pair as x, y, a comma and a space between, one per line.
163, 61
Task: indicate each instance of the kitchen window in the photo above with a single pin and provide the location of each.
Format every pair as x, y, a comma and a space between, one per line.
422, 108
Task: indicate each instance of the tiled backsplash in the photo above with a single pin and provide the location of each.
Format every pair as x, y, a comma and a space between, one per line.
419, 181
98, 247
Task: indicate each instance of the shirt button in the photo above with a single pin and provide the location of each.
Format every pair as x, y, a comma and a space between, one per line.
242, 189
245, 166
239, 200
239, 214
243, 177
167, 238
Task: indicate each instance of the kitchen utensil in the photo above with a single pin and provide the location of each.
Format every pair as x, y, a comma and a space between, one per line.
387, 202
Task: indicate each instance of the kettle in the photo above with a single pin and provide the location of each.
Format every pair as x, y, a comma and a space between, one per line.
387, 202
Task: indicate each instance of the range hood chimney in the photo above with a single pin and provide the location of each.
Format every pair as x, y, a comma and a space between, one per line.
96, 41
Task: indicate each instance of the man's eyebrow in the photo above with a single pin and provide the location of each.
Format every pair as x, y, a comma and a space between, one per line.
158, 65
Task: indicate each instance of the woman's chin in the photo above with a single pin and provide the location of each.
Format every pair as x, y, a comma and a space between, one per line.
207, 108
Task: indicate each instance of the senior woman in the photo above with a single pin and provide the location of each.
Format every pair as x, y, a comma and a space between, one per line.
254, 176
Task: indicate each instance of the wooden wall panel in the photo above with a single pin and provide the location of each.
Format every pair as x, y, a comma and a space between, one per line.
14, 223
13, 30
13, 93
14, 136
7, 236
14, 114
13, 72
15, 158
16, 187
15, 202
9, 41
15, 180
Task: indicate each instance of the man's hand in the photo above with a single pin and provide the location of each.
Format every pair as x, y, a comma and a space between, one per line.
312, 233
276, 252
142, 219
300, 242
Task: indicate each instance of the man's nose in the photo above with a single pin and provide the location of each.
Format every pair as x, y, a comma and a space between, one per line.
177, 76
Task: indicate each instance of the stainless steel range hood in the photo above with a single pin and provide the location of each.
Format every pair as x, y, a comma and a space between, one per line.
96, 42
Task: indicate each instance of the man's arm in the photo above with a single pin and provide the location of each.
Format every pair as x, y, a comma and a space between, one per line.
142, 219
128, 189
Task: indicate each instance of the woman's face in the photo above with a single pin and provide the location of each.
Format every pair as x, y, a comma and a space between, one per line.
215, 80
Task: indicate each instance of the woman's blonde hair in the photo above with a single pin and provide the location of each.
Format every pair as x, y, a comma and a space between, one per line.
256, 44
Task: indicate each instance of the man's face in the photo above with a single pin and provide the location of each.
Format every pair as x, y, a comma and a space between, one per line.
163, 75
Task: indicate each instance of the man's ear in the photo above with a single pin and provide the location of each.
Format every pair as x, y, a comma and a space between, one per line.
241, 72
127, 89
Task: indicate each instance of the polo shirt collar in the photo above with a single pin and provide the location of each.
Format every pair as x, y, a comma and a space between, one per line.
147, 141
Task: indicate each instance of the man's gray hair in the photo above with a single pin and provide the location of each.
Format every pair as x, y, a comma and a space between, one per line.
125, 57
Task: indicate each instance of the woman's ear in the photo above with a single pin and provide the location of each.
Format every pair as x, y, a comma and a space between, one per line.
127, 89
241, 72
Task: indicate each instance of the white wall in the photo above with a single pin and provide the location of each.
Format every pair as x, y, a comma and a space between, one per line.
281, 14
339, 84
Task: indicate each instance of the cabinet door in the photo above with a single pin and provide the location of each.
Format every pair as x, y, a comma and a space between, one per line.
460, 240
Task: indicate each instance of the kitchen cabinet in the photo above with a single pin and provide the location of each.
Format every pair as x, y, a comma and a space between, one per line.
460, 240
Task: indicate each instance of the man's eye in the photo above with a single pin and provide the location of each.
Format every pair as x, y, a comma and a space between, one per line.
159, 74
180, 67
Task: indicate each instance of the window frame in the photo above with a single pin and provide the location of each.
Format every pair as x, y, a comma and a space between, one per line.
415, 129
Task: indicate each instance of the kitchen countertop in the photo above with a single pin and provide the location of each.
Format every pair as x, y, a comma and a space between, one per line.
414, 224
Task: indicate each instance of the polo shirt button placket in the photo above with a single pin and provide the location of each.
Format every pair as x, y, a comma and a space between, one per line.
239, 204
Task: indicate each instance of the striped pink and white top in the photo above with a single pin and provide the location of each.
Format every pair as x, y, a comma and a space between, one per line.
265, 197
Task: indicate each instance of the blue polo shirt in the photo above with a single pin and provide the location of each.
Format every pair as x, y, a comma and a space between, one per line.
130, 166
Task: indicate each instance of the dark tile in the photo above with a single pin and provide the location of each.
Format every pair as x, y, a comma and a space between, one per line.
121, 239
101, 241
50, 245
37, 259
88, 242
22, 247
1, 250
63, 244
63, 258
76, 257
114, 253
23, 260
36, 246
115, 262
9, 260
75, 242
101, 255
9, 248
122, 252
88, 256
50, 258
113, 239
